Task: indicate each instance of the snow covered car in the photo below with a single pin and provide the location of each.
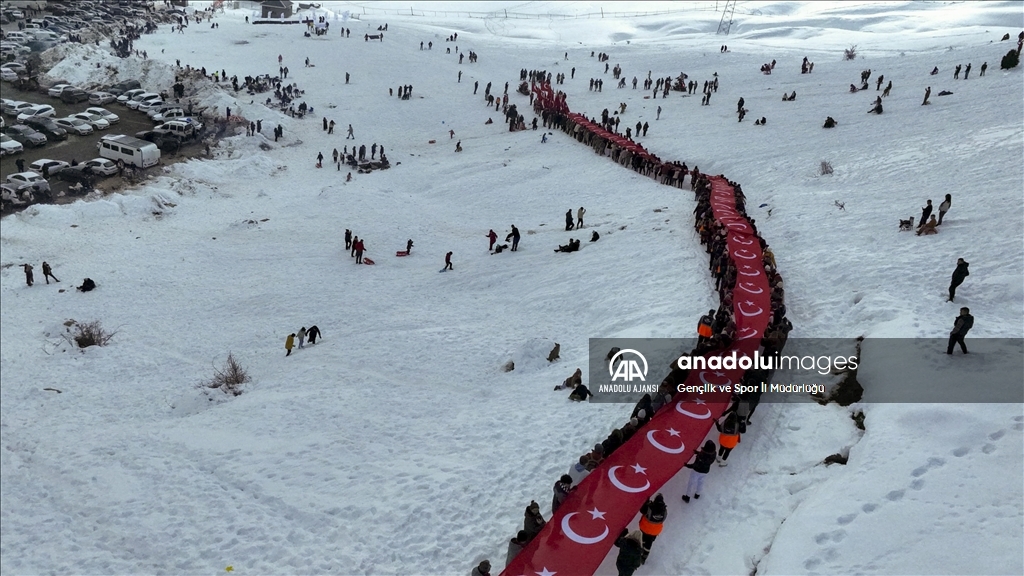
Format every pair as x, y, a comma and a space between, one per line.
103, 166
101, 98
26, 135
9, 145
57, 89
80, 127
124, 98
41, 110
8, 75
30, 180
94, 120
107, 115
172, 114
18, 67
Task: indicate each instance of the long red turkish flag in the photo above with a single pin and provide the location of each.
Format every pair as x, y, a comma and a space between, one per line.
580, 534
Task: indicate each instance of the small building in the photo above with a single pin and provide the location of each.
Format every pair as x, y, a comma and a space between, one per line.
276, 9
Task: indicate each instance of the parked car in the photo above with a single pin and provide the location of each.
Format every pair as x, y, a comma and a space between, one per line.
161, 109
8, 75
26, 135
41, 110
74, 96
128, 95
80, 127
164, 141
18, 67
47, 167
80, 173
147, 106
103, 166
107, 115
172, 114
140, 98
16, 107
47, 127
94, 120
57, 89
124, 86
101, 98
9, 145
31, 180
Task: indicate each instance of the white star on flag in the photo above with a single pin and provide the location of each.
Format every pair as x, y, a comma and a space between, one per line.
698, 401
639, 469
719, 373
673, 432
749, 303
545, 572
594, 515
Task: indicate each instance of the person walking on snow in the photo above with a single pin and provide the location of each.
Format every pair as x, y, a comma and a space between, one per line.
359, 246
301, 337
313, 334
289, 343
493, 237
579, 217
350, 133
700, 466
944, 207
630, 555
408, 247
963, 323
320, 160
728, 437
355, 239
514, 235
448, 261
568, 220
348, 239
652, 520
48, 273
959, 275
28, 273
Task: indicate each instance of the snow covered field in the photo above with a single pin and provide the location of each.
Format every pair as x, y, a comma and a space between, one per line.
396, 445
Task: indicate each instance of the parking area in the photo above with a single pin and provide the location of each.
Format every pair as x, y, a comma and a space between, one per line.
80, 148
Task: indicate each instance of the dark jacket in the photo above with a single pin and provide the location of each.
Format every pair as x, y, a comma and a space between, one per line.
960, 273
702, 461
533, 522
630, 553
514, 548
962, 325
561, 493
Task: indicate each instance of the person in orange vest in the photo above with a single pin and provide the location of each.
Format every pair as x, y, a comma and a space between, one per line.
728, 436
652, 520
704, 332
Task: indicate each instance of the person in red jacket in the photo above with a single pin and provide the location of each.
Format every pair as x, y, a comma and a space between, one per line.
359, 247
493, 237
448, 261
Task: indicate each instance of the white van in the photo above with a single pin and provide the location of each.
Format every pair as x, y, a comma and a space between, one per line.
134, 151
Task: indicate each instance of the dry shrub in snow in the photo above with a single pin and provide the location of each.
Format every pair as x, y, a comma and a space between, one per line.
91, 334
826, 168
850, 53
229, 379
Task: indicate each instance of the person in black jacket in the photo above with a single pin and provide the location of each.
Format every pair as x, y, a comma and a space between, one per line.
959, 274
701, 465
925, 213
630, 552
533, 522
516, 545
313, 333
963, 323
652, 519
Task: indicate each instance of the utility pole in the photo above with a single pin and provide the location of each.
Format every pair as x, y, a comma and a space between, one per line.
727, 13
